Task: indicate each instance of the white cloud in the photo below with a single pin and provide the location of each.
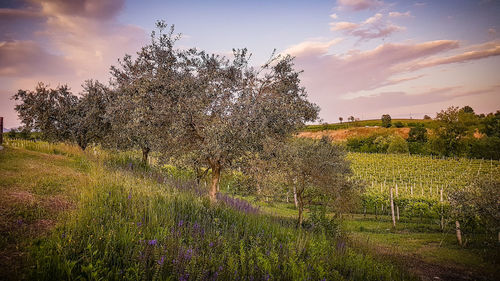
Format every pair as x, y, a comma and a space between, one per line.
311, 47
400, 15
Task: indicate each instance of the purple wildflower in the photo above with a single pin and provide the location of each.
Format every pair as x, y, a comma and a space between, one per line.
152, 242
211, 244
161, 260
181, 222
139, 224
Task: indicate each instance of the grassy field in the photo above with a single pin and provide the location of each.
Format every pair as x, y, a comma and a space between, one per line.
364, 123
421, 247
109, 222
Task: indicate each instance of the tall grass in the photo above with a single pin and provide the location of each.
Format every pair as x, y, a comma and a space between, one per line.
138, 227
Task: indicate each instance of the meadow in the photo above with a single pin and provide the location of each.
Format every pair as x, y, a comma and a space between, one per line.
121, 220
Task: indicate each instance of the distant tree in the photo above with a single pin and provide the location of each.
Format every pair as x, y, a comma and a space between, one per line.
47, 111
386, 120
417, 133
427, 117
490, 125
228, 108
318, 172
341, 119
351, 118
467, 109
453, 127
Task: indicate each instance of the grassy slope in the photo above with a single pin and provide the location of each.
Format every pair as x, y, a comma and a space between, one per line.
122, 226
35, 188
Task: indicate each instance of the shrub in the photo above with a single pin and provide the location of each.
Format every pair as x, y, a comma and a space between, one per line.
398, 145
399, 124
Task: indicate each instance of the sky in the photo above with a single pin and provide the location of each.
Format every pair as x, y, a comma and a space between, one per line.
360, 58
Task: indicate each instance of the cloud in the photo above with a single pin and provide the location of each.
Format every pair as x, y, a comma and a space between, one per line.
311, 48
363, 70
399, 15
369, 81
358, 5
373, 27
62, 42
387, 100
24, 58
489, 49
95, 9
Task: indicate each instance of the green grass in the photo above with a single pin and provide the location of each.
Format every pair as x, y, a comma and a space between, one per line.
35, 189
410, 239
128, 226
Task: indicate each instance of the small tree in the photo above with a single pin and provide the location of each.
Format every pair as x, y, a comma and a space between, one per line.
386, 121
341, 119
318, 172
427, 117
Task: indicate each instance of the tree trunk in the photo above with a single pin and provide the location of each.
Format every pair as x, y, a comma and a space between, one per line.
301, 209
145, 153
216, 168
459, 233
392, 210
295, 196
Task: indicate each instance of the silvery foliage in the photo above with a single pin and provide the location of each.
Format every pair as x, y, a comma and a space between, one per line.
144, 89
88, 125
227, 108
318, 172
47, 111
61, 116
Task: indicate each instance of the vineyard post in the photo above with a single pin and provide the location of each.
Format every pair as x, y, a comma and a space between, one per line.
459, 233
392, 210
442, 210
1, 130
397, 206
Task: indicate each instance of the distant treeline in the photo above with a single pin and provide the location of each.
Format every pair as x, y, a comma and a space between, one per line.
454, 132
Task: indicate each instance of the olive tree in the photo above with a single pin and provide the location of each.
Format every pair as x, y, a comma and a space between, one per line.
318, 172
228, 108
144, 90
47, 111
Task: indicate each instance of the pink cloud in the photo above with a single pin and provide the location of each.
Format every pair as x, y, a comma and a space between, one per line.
62, 42
373, 27
24, 58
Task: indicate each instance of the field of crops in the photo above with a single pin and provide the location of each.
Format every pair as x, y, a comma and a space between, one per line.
419, 175
420, 184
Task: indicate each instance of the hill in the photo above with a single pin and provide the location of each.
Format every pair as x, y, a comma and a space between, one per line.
104, 216
366, 123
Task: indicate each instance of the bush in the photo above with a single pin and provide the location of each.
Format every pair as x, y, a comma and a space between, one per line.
398, 145
485, 147
399, 124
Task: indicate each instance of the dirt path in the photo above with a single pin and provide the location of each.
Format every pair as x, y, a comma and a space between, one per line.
429, 271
